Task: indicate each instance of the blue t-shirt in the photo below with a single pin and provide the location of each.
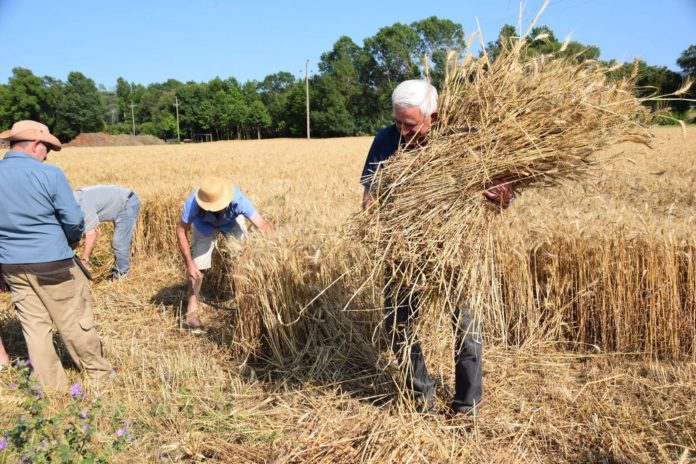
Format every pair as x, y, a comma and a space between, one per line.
384, 145
206, 222
38, 214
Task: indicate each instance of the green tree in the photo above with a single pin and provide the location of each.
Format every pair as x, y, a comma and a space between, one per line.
257, 117
80, 108
543, 41
274, 91
157, 107
109, 102
437, 37
344, 67
392, 56
331, 116
26, 97
295, 111
504, 41
128, 94
687, 61
654, 81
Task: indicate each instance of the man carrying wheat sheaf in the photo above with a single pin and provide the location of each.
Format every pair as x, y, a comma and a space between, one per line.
216, 206
414, 105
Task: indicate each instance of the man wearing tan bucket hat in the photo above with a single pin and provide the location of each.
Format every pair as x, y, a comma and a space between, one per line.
216, 206
39, 223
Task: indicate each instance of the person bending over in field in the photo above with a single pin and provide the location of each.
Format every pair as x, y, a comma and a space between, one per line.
414, 105
216, 206
102, 203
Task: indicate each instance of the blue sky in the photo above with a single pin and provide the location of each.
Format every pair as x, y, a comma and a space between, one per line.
148, 41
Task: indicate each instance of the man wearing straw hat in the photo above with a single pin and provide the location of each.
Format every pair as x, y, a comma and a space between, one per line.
39, 223
102, 203
414, 105
215, 206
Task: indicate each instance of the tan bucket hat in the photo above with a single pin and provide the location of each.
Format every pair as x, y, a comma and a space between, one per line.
214, 194
30, 130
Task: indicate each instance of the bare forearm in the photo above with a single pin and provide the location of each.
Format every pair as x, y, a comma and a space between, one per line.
262, 224
183, 243
367, 198
90, 240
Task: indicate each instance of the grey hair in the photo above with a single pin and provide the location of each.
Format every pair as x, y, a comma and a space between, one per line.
415, 93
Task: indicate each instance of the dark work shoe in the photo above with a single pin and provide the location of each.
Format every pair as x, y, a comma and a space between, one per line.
467, 410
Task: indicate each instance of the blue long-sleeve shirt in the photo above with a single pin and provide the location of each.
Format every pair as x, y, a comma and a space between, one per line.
38, 213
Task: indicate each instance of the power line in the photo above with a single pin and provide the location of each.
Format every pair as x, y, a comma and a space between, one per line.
176, 105
132, 105
306, 78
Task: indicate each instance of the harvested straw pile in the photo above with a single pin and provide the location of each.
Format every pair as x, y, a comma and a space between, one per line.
289, 296
538, 121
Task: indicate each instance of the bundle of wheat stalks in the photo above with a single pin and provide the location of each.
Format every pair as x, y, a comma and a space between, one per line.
529, 121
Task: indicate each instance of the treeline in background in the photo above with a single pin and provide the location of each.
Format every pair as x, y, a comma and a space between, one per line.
349, 94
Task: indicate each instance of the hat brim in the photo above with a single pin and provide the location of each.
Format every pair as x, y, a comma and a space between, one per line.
218, 205
31, 135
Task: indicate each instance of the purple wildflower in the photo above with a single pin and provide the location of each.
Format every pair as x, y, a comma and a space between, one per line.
120, 432
84, 428
75, 389
3, 443
13, 385
27, 362
83, 415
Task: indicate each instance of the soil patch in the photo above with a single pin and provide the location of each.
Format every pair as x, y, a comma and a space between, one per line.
100, 139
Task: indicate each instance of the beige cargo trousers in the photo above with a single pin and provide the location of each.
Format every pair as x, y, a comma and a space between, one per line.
56, 293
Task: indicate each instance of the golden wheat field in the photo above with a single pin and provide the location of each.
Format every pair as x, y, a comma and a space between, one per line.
589, 318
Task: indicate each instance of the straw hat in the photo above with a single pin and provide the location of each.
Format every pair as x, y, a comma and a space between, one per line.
31, 130
214, 194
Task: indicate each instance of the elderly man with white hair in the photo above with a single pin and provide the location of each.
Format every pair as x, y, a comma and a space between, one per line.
414, 105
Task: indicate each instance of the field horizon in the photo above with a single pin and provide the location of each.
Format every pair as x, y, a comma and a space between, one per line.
589, 352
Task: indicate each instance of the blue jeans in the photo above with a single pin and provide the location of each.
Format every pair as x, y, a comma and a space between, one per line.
123, 232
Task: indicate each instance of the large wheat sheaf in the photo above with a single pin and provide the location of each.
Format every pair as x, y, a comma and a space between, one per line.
528, 121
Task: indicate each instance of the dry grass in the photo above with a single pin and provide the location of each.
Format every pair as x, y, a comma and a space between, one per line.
533, 123
257, 388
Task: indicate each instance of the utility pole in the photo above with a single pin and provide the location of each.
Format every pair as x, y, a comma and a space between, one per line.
306, 79
132, 105
176, 105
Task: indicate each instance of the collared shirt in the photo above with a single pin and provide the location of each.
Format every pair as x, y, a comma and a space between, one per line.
38, 213
385, 144
206, 222
101, 203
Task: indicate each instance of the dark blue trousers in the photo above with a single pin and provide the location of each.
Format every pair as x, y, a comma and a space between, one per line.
399, 321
